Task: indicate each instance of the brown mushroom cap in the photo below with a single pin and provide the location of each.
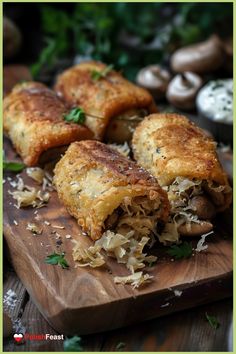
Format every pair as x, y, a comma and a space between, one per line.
199, 58
182, 90
155, 79
11, 38
228, 49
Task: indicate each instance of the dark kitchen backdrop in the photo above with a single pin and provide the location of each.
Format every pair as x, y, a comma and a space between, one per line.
129, 35
48, 38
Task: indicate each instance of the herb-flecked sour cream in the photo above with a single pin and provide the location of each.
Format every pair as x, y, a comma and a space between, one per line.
215, 100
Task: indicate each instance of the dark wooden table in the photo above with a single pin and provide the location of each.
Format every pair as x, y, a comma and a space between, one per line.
184, 331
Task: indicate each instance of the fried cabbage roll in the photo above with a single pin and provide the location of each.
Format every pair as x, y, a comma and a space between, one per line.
115, 202
113, 105
102, 189
33, 118
184, 160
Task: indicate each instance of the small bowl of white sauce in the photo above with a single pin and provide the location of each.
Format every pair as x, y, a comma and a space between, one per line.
215, 104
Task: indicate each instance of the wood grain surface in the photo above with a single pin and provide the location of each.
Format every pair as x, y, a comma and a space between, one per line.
83, 300
183, 331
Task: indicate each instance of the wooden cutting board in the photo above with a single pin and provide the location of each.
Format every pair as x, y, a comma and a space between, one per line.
84, 300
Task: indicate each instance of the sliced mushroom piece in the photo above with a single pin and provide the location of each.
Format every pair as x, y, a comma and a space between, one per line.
199, 58
202, 207
155, 79
217, 197
112, 220
195, 229
183, 89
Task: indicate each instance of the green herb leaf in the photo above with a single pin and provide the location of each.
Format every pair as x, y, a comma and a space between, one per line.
120, 346
46, 57
76, 115
57, 259
214, 323
13, 166
72, 344
181, 251
96, 75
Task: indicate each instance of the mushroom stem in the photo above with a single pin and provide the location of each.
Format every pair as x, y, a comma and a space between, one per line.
185, 80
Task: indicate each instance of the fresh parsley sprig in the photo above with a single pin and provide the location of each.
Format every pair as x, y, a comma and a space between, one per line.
72, 344
13, 166
57, 259
97, 75
184, 250
214, 323
120, 346
76, 115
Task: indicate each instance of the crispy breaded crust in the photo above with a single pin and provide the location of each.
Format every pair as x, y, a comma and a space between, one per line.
92, 180
169, 145
33, 120
104, 98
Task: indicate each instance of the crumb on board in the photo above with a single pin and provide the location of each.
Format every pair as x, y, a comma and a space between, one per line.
58, 227
37, 217
35, 229
136, 279
201, 246
57, 235
26, 195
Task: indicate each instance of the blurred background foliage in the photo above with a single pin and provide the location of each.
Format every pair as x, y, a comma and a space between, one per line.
128, 35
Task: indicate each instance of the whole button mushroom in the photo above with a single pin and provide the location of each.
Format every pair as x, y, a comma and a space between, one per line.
182, 90
12, 74
155, 79
11, 38
199, 58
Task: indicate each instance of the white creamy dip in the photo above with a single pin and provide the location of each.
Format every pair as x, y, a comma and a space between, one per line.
215, 100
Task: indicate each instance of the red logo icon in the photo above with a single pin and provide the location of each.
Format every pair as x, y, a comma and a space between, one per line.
18, 337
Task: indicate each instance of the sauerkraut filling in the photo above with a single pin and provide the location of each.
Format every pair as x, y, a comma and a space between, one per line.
193, 204
129, 229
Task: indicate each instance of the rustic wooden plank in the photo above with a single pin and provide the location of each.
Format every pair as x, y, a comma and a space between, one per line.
184, 331
15, 308
76, 300
36, 324
12, 283
67, 312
